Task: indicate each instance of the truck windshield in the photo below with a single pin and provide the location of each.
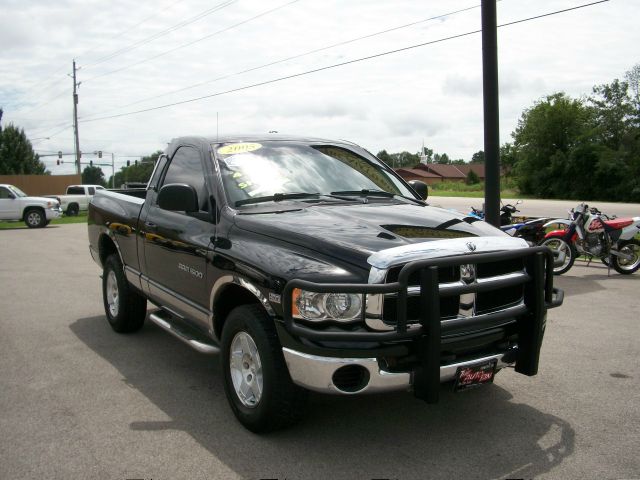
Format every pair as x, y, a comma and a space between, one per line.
17, 192
278, 169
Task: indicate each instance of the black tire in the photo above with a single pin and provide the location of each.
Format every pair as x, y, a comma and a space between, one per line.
72, 210
627, 267
35, 218
558, 244
279, 401
125, 308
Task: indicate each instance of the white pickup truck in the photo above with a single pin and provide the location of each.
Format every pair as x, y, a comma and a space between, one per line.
77, 198
36, 212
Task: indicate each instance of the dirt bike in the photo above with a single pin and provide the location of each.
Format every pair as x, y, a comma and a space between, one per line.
589, 232
531, 230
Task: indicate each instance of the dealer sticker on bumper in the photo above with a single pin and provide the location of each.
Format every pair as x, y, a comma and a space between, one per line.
474, 376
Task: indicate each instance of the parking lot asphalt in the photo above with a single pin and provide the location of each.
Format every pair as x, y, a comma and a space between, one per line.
80, 401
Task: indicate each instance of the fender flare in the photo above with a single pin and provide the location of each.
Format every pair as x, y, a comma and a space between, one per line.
245, 284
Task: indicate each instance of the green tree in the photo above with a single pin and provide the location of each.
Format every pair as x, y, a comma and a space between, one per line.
428, 153
93, 175
477, 157
137, 172
508, 159
16, 154
472, 178
552, 141
384, 156
442, 159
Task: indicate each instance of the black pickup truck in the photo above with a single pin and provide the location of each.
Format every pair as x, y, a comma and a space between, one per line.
308, 264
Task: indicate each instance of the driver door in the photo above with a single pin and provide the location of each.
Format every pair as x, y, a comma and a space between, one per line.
9, 205
177, 244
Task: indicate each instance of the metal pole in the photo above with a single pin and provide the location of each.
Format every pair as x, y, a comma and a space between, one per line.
113, 171
491, 112
75, 119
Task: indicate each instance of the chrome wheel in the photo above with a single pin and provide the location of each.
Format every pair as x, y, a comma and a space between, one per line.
113, 297
633, 250
246, 369
34, 219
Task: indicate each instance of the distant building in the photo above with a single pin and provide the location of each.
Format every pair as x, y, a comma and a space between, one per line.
435, 172
418, 174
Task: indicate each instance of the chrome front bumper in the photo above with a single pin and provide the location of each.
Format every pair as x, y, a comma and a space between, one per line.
53, 213
316, 373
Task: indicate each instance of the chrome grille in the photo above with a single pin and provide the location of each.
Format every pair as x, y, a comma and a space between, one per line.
492, 298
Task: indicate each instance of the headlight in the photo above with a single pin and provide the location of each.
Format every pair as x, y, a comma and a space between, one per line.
341, 307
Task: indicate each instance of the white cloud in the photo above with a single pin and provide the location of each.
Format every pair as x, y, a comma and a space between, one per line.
432, 93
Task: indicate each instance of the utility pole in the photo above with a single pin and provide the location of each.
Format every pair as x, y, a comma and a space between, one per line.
491, 112
75, 119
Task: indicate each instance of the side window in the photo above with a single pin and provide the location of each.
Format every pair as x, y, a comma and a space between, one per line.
4, 193
92, 191
186, 167
75, 191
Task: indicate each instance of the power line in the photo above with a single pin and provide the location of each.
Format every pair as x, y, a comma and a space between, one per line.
51, 135
188, 44
127, 30
341, 64
294, 57
46, 102
55, 80
162, 33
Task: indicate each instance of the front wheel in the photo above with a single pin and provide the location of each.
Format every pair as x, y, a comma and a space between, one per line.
627, 267
562, 247
35, 218
125, 308
256, 379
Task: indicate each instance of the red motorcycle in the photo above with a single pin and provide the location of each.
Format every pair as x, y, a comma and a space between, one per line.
589, 232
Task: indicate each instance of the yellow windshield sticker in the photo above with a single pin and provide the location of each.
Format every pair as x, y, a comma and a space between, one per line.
238, 148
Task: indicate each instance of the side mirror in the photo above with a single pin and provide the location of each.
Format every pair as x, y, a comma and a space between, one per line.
420, 188
178, 197
12, 196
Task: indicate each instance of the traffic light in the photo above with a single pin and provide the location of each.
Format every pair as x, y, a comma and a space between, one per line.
91, 163
99, 153
58, 162
135, 162
59, 155
128, 163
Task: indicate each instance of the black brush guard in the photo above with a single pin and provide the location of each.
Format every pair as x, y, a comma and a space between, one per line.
539, 295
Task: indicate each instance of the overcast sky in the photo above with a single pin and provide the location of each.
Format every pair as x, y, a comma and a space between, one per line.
430, 94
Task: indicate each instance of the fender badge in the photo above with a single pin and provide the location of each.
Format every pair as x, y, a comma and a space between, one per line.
274, 297
471, 246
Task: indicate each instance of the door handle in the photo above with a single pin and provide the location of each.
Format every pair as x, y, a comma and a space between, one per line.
150, 226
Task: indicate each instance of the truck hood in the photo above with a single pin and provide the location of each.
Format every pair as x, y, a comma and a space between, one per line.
353, 232
39, 200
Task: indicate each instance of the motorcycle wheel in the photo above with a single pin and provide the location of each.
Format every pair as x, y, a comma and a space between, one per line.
627, 267
561, 246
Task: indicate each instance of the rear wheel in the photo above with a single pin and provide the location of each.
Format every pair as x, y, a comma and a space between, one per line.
562, 248
125, 308
627, 267
256, 379
35, 218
